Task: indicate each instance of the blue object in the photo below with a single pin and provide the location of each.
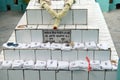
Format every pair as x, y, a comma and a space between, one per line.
10, 44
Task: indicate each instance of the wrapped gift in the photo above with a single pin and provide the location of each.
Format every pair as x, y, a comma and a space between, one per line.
52, 64
17, 64
64, 65
95, 65
6, 64
90, 45
28, 64
106, 65
40, 64
78, 45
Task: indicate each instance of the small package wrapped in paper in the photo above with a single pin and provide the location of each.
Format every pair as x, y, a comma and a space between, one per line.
79, 45
90, 45
24, 45
106, 65
55, 46
66, 46
35, 44
52, 64
74, 65
63, 65
95, 65
40, 64
28, 64
83, 65
17, 64
6, 64
103, 46
45, 45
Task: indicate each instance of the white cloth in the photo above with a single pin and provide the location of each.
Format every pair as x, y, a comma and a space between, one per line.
40, 65
28, 64
74, 65
35, 44
45, 45
106, 65
64, 65
95, 65
103, 46
52, 64
6, 64
90, 45
55, 46
66, 47
17, 64
23, 45
79, 45
83, 65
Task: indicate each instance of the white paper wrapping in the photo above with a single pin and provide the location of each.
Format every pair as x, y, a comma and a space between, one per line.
63, 65
78, 45
55, 46
52, 64
17, 64
23, 45
66, 47
74, 65
6, 64
106, 65
103, 46
40, 65
35, 44
90, 45
83, 65
95, 65
28, 64
45, 45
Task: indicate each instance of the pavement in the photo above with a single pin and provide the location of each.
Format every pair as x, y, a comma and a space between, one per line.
9, 20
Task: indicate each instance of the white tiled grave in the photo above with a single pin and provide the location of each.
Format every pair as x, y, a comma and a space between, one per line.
84, 21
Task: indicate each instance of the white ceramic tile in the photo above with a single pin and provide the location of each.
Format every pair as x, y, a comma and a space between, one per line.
76, 35
36, 36
31, 75
23, 36
102, 55
27, 55
15, 74
111, 75
82, 55
11, 54
80, 16
63, 75
99, 75
90, 35
80, 75
67, 19
56, 55
3, 75
47, 75
47, 18
34, 16
69, 55
43, 55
